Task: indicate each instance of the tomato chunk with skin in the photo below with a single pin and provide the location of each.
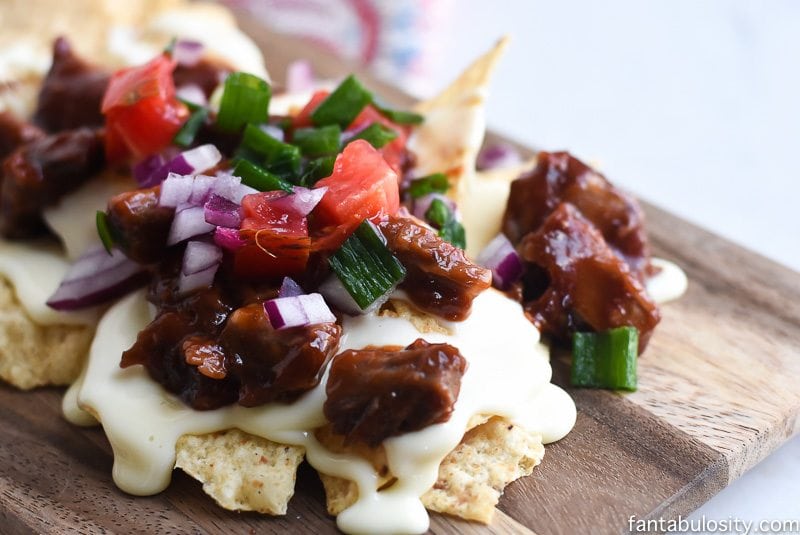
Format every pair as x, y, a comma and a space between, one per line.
392, 152
277, 240
362, 186
142, 113
303, 119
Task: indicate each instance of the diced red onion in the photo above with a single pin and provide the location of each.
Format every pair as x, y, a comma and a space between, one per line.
201, 188
222, 212
199, 256
145, 169
201, 279
299, 76
289, 288
498, 155
501, 257
188, 223
422, 204
187, 52
228, 238
175, 190
302, 201
189, 162
273, 131
192, 93
298, 310
95, 278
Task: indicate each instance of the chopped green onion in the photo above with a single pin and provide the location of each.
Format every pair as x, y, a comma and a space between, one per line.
193, 106
245, 99
606, 359
435, 183
317, 141
376, 135
450, 230
277, 157
317, 169
258, 178
187, 133
400, 117
343, 105
365, 266
104, 230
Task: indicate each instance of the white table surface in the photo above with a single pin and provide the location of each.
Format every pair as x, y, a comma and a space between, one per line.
692, 105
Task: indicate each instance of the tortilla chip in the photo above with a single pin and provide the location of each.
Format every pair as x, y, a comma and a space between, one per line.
451, 136
34, 355
241, 472
483, 202
471, 478
422, 321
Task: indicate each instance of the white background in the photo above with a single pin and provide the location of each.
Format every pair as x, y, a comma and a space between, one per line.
692, 105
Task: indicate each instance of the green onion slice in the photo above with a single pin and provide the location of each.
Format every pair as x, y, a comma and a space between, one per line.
399, 117
245, 99
187, 133
258, 178
104, 230
450, 230
343, 105
277, 157
317, 141
606, 359
366, 267
317, 169
435, 183
376, 135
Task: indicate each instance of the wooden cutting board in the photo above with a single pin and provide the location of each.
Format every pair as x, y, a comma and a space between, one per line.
718, 392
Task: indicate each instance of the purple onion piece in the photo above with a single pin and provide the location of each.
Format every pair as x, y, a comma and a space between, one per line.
190, 162
501, 257
195, 281
144, 170
302, 201
199, 256
188, 223
289, 288
192, 93
498, 155
176, 190
298, 311
187, 52
228, 238
95, 278
222, 212
299, 76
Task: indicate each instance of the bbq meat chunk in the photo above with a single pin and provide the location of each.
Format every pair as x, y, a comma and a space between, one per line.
275, 364
206, 74
139, 225
559, 177
586, 285
39, 173
71, 92
14, 133
377, 393
440, 280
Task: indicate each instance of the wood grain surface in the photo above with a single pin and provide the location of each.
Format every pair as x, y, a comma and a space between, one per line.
718, 392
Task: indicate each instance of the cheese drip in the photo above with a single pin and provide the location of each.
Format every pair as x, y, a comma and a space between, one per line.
508, 375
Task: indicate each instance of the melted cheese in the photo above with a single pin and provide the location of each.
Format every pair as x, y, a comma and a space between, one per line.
668, 284
35, 270
508, 374
73, 218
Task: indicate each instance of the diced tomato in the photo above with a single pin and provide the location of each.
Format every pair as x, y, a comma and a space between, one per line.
142, 113
303, 119
392, 152
277, 240
362, 186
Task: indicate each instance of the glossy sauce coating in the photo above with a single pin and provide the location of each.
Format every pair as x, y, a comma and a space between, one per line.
377, 393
